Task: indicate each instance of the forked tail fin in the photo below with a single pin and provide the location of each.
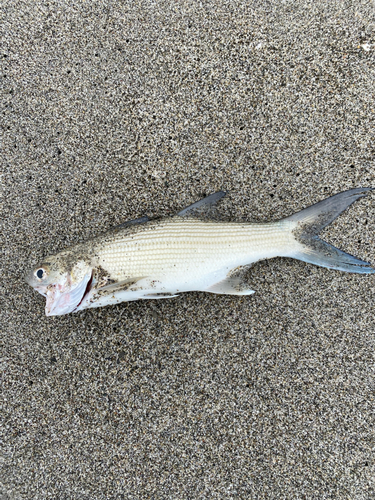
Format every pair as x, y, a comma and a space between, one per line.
311, 221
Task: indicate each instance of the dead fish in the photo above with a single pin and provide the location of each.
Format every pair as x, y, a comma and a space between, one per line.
191, 251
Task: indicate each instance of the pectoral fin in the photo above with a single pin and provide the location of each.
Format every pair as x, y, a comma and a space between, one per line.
230, 286
120, 286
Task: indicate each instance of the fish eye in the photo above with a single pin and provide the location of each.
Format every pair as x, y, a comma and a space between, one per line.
40, 273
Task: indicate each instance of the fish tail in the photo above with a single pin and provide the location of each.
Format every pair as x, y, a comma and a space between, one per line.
312, 220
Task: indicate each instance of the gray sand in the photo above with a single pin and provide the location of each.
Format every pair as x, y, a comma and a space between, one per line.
113, 110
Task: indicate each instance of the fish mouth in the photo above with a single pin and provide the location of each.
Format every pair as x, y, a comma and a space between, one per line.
42, 290
61, 301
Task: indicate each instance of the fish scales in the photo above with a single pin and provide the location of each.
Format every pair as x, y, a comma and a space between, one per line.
191, 244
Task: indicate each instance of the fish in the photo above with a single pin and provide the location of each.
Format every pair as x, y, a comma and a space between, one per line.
190, 251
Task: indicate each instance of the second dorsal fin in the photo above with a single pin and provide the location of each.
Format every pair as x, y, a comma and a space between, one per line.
203, 205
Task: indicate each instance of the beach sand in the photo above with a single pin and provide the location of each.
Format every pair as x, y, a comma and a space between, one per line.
115, 110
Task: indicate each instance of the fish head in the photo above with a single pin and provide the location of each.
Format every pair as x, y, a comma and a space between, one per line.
64, 283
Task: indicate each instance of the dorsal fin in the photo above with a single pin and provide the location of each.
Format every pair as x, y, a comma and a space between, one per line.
202, 205
141, 220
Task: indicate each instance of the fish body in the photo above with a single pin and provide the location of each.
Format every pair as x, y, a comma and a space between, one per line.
152, 259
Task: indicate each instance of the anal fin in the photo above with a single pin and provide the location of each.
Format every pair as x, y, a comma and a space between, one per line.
160, 295
230, 286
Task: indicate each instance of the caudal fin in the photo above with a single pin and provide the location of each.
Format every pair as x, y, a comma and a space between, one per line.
312, 220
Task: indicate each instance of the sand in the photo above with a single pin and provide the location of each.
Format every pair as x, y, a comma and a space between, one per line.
114, 110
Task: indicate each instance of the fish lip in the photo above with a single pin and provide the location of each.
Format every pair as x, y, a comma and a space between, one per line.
50, 296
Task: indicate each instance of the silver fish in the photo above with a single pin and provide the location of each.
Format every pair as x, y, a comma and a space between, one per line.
191, 251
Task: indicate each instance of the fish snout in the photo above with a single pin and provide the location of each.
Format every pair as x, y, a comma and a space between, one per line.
30, 279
